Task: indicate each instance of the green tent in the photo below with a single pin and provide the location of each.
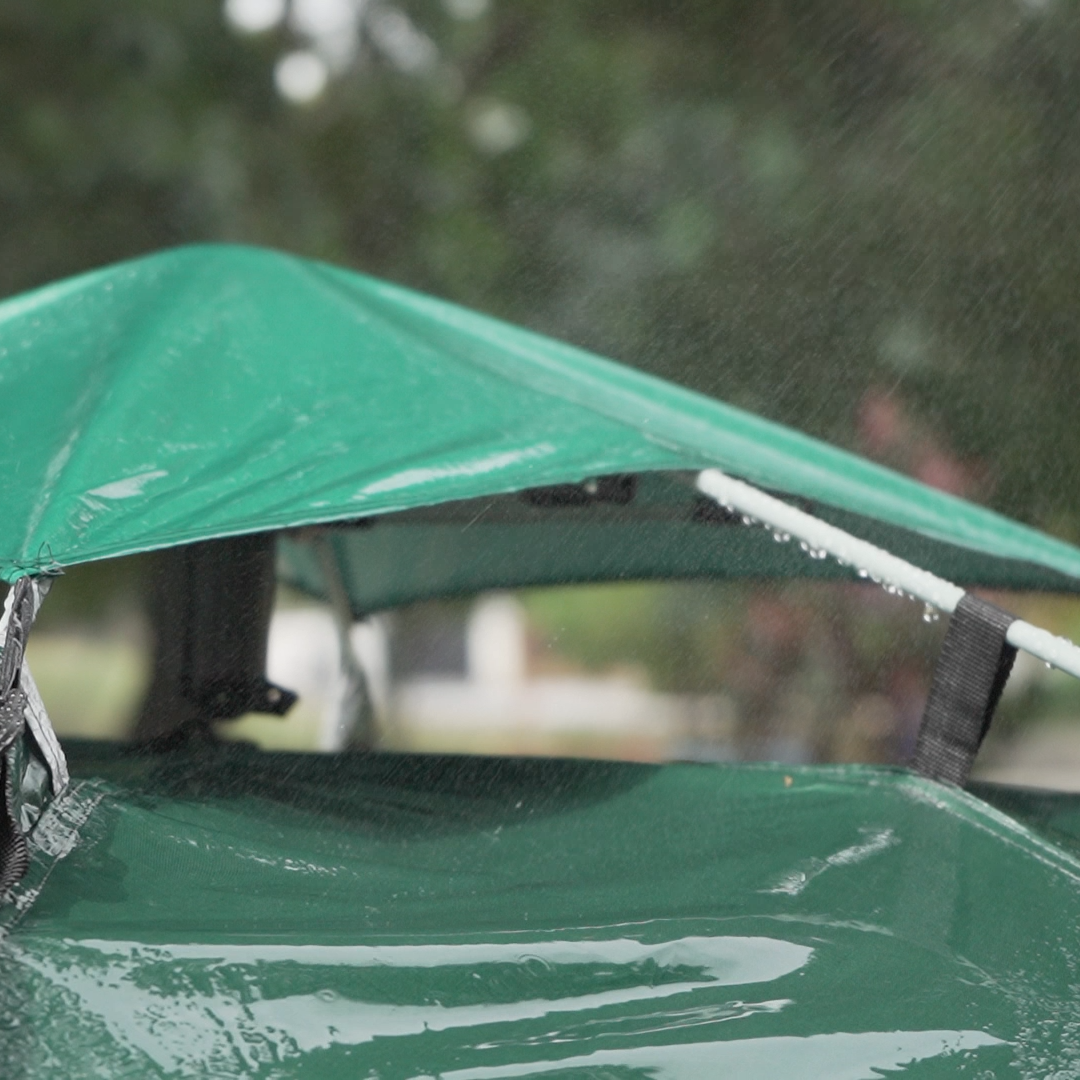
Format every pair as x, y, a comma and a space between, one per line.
212, 910
285, 917
212, 391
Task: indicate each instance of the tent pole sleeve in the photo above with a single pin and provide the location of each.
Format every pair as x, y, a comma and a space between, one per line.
879, 565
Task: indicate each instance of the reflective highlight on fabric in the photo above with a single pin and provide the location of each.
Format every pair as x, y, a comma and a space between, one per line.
214, 391
413, 917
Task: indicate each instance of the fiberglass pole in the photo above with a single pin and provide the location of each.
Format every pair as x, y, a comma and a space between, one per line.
872, 562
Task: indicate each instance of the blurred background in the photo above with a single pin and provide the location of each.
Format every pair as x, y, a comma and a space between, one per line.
858, 217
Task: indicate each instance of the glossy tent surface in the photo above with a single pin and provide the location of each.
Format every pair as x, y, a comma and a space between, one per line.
470, 918
211, 391
668, 531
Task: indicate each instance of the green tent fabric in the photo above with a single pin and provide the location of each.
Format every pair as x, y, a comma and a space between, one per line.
665, 533
270, 916
220, 390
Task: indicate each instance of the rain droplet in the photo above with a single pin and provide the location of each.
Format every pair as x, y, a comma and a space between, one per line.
930, 614
864, 574
1048, 665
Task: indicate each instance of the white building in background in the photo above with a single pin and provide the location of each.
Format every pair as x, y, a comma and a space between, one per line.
499, 703
492, 701
496, 642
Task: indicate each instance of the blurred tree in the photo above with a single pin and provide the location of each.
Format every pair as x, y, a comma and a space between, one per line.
806, 207
813, 671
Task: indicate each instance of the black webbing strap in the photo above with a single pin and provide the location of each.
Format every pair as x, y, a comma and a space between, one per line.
971, 672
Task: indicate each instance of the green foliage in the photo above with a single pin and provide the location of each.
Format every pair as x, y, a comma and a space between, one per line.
677, 634
786, 205
694, 636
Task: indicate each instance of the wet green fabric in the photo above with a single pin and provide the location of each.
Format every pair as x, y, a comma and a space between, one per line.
503, 543
210, 391
1054, 815
396, 916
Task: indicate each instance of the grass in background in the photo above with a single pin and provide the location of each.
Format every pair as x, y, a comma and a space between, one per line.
91, 686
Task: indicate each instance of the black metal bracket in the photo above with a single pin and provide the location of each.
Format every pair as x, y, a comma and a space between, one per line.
618, 488
226, 699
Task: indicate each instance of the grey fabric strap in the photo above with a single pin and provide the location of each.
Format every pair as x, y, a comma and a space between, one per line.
14, 854
31, 594
31, 760
971, 672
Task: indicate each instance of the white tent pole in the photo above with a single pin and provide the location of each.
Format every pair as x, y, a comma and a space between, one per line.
872, 562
